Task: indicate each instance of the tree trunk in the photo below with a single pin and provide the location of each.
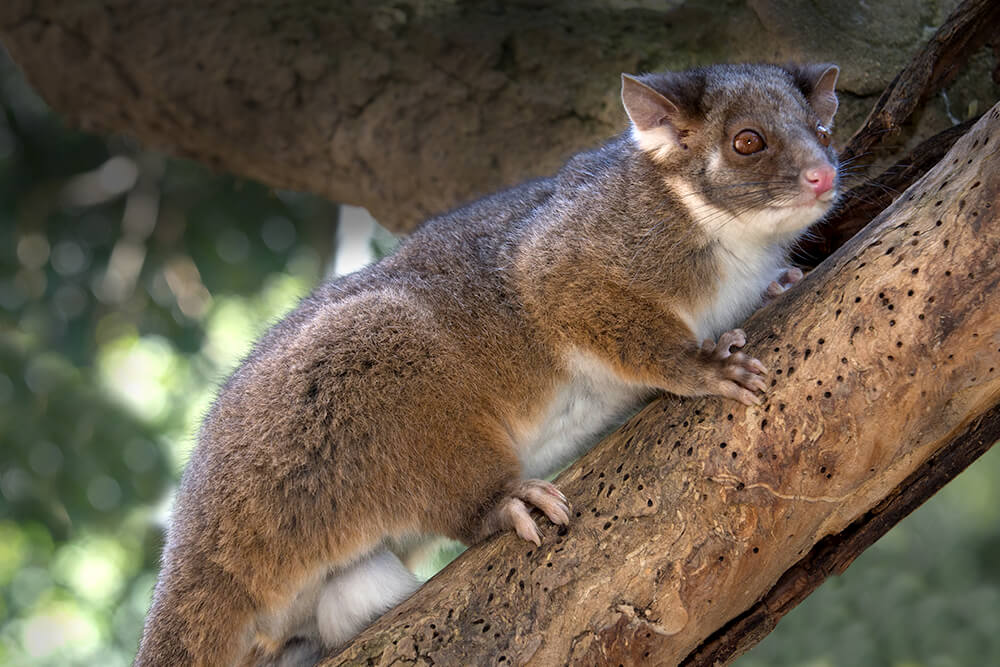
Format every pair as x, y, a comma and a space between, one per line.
701, 522
409, 107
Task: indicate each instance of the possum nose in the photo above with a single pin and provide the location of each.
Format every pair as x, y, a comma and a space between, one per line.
819, 178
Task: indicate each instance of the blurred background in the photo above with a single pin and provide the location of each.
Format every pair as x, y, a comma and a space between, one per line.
130, 286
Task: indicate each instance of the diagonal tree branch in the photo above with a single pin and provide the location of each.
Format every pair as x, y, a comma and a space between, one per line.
699, 523
833, 554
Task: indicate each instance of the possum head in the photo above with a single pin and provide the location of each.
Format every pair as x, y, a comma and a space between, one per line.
747, 147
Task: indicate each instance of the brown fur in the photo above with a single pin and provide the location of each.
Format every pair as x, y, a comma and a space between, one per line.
388, 403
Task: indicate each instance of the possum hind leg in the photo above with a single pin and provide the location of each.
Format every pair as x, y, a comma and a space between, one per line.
331, 610
356, 595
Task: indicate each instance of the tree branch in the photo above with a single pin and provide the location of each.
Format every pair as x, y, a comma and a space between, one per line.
404, 107
834, 553
936, 64
699, 523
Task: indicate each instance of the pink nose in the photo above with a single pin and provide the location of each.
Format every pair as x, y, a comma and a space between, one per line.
819, 178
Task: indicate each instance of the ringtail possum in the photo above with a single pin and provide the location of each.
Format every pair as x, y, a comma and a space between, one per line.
431, 392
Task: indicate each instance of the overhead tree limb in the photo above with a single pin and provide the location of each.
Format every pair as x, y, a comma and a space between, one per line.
966, 29
700, 523
405, 107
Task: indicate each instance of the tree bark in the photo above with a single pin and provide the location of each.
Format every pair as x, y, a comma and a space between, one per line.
409, 107
701, 522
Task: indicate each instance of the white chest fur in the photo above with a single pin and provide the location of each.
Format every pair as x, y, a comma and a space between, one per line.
590, 404
744, 276
751, 252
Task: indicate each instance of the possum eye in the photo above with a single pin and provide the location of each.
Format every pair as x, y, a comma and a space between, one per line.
748, 142
823, 134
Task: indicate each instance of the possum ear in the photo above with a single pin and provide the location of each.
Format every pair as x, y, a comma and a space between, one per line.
659, 122
646, 108
818, 83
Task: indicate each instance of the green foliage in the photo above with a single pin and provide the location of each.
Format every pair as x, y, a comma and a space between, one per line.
129, 286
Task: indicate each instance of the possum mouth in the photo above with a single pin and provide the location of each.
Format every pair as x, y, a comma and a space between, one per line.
805, 200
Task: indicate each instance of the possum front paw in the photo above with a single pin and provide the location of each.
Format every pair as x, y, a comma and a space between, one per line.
785, 280
513, 511
736, 375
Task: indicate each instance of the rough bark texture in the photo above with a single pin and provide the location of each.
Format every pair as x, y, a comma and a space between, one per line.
833, 554
699, 523
408, 107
